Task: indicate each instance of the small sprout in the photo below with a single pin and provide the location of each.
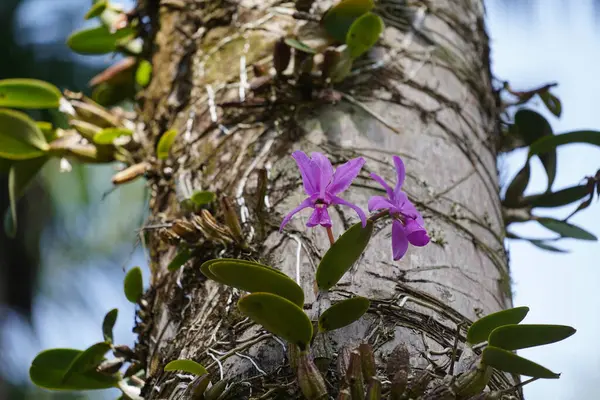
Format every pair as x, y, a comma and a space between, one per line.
343, 313
20, 137
203, 197
282, 55
257, 278
481, 329
109, 135
310, 380
278, 316
133, 285
143, 73
342, 255
108, 324
189, 366
183, 256
165, 143
552, 102
28, 93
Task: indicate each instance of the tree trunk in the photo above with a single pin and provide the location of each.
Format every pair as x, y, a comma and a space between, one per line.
431, 104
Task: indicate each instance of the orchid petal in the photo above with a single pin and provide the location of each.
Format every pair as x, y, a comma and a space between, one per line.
359, 211
399, 240
416, 234
305, 204
307, 169
387, 187
409, 210
379, 203
320, 216
323, 171
400, 173
345, 174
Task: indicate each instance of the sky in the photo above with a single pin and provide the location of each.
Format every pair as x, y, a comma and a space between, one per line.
551, 40
556, 41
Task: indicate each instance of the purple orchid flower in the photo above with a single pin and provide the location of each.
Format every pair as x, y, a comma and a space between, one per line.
322, 186
407, 226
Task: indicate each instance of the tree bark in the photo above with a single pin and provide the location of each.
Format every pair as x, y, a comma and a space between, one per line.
433, 105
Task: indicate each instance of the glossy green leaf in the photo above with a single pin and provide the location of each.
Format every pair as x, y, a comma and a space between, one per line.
188, 366
506, 361
28, 93
298, 45
550, 143
47, 129
257, 278
552, 102
343, 313
20, 137
339, 18
515, 337
87, 360
108, 135
544, 245
182, 256
517, 187
143, 73
481, 329
279, 316
96, 9
203, 197
565, 229
165, 143
363, 34
133, 285
343, 254
108, 324
49, 367
98, 40
531, 127
559, 198
205, 267
20, 176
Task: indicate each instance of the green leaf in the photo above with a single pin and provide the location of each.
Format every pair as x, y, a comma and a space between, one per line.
257, 278
98, 40
559, 198
547, 144
20, 176
531, 127
165, 143
183, 256
96, 9
28, 93
188, 366
515, 337
545, 246
133, 284
279, 316
20, 137
517, 186
343, 313
143, 74
47, 129
298, 45
565, 229
205, 267
481, 329
510, 362
108, 135
49, 367
87, 360
202, 197
343, 254
363, 34
108, 324
552, 102
339, 18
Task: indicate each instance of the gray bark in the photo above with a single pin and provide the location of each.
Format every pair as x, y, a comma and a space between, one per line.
432, 105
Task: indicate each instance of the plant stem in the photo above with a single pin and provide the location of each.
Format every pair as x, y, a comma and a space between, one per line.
330, 235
